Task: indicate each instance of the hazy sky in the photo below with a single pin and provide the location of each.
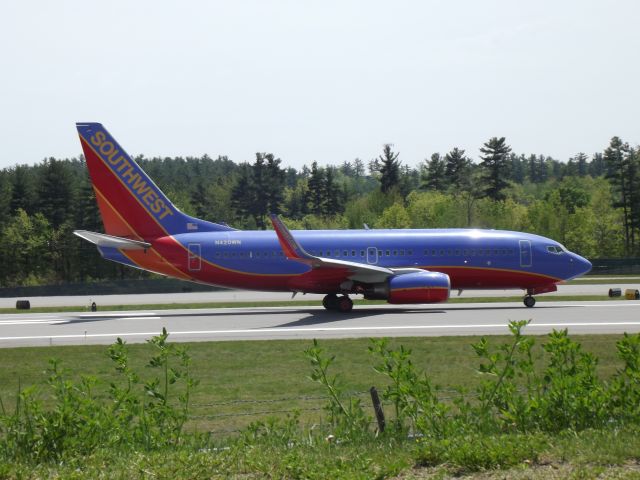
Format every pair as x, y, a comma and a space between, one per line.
318, 80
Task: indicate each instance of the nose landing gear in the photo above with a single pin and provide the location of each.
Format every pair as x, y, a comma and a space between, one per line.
342, 304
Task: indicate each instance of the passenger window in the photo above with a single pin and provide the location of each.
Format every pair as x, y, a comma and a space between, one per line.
409, 252
345, 253
353, 253
457, 252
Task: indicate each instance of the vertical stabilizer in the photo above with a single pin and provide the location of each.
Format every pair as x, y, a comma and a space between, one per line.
131, 204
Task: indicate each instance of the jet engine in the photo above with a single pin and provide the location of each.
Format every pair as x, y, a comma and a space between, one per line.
418, 287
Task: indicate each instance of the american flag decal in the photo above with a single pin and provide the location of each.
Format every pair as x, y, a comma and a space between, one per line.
192, 226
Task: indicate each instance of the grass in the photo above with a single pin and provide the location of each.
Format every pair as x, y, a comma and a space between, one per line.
590, 454
297, 303
610, 282
271, 370
268, 371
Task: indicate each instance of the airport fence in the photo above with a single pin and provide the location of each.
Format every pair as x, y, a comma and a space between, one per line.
115, 287
615, 266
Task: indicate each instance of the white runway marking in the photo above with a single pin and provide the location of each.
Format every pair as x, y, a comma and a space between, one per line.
33, 321
325, 329
116, 314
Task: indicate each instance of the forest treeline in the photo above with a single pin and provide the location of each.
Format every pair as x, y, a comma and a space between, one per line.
591, 204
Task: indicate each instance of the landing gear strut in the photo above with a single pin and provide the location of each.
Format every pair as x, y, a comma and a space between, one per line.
333, 302
529, 301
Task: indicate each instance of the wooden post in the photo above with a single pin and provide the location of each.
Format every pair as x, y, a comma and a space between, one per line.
377, 408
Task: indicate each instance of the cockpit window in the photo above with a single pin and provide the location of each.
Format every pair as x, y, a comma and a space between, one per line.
554, 249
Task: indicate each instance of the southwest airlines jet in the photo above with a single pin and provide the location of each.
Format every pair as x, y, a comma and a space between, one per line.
143, 229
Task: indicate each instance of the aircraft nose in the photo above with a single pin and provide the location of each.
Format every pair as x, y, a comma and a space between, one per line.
581, 265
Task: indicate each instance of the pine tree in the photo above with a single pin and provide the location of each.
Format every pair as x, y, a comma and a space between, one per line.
582, 165
23, 195
259, 189
389, 168
242, 196
433, 175
457, 169
333, 205
621, 171
316, 193
5, 198
496, 167
56, 192
518, 167
358, 168
273, 188
597, 165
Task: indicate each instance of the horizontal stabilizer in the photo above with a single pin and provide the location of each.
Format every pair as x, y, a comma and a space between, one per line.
103, 240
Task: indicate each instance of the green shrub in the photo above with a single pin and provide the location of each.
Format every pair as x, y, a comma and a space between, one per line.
136, 414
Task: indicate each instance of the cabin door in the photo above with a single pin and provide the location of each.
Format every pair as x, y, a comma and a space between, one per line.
194, 260
372, 255
525, 253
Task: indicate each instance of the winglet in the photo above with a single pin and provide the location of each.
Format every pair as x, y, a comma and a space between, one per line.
290, 246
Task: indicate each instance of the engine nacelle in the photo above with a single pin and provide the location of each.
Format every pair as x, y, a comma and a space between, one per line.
419, 287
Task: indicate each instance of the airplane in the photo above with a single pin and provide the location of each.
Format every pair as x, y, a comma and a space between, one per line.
144, 229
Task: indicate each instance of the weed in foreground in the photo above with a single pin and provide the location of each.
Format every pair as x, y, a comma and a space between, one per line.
138, 414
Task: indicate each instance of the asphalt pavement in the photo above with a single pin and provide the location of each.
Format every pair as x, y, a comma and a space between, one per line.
186, 325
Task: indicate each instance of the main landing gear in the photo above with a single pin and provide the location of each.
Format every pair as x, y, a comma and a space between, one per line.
333, 302
529, 301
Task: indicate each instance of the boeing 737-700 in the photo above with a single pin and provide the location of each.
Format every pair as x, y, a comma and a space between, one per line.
143, 229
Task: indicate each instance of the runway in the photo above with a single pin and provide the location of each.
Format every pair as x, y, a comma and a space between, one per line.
255, 296
314, 322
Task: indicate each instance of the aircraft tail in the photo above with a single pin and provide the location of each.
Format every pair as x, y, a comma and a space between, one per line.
131, 205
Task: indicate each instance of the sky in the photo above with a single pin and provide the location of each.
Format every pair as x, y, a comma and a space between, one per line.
326, 81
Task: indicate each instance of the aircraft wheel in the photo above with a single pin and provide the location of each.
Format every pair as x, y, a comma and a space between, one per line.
330, 302
529, 301
345, 304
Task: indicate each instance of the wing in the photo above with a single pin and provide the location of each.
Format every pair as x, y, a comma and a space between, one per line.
360, 272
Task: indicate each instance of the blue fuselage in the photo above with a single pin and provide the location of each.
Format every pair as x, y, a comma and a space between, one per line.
472, 258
